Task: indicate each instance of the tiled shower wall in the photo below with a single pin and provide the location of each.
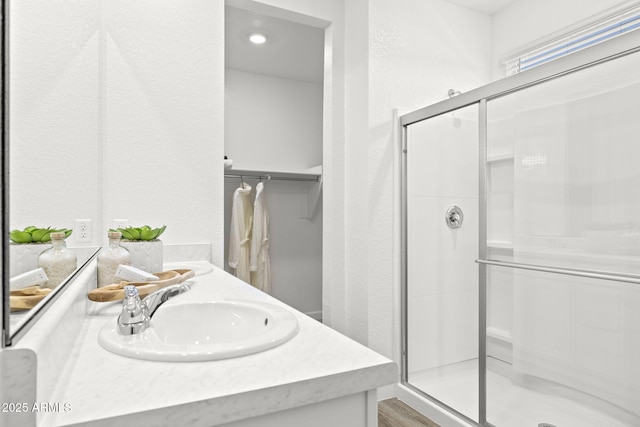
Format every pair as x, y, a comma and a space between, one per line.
443, 278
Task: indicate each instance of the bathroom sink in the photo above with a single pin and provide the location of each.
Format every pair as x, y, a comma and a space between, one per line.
203, 331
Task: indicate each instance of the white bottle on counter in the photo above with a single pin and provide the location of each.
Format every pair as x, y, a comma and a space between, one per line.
58, 262
110, 257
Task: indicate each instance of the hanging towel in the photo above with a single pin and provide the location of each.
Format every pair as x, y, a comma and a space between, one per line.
240, 232
260, 264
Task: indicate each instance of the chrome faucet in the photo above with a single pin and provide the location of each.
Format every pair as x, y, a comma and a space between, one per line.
136, 314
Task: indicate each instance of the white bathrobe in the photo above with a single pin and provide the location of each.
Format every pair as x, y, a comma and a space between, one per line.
260, 264
240, 232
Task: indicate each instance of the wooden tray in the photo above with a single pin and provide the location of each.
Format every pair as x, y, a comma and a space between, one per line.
115, 292
27, 298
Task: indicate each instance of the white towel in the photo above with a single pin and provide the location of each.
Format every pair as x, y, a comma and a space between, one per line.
260, 264
240, 233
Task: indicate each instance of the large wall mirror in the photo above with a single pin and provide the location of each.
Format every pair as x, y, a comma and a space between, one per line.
52, 164
97, 101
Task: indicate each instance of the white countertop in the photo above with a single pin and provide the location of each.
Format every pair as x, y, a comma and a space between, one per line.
102, 388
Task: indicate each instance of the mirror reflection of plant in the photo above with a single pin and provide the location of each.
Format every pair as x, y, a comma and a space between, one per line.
33, 234
140, 233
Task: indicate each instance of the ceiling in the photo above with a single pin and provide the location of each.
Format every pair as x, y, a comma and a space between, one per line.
293, 51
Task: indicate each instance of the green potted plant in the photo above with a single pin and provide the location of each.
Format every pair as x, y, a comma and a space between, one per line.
145, 246
33, 234
27, 244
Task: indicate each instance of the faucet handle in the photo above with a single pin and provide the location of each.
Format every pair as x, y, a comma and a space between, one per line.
133, 318
131, 291
136, 314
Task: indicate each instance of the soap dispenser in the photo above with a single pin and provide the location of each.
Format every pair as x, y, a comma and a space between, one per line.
58, 262
110, 257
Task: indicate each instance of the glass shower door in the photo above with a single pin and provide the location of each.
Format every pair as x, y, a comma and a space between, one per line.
442, 277
563, 170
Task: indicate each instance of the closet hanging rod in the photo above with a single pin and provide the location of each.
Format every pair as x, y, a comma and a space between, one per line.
268, 177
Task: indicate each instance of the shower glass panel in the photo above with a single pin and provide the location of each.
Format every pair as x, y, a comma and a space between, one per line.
563, 190
442, 277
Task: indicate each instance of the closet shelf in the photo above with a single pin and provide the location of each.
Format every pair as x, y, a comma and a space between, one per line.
310, 185
275, 175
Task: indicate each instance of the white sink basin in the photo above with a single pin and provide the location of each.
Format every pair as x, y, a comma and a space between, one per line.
204, 331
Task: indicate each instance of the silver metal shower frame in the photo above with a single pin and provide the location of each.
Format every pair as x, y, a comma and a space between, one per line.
604, 52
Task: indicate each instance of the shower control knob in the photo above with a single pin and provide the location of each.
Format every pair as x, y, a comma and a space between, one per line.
454, 217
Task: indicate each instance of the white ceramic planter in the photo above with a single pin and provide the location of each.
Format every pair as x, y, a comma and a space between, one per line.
145, 255
24, 257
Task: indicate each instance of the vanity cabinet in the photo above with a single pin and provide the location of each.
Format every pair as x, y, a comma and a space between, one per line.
317, 378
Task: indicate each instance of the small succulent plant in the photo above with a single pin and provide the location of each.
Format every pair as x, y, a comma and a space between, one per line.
33, 234
141, 233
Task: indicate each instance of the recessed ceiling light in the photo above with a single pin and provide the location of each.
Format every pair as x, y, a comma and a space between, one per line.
258, 38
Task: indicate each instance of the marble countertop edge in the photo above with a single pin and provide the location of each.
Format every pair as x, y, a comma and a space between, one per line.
317, 365
226, 409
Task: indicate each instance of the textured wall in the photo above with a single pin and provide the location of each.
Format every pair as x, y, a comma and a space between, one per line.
417, 51
55, 174
163, 118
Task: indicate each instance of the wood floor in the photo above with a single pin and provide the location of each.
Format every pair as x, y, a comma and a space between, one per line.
396, 413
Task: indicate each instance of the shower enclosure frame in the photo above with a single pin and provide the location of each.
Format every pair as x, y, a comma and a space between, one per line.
621, 46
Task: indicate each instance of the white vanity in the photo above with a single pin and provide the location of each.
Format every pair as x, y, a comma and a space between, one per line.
317, 378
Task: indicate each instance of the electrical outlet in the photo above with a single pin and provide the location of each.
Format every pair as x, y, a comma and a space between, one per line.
83, 230
120, 223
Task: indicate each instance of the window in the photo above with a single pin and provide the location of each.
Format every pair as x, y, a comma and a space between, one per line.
602, 29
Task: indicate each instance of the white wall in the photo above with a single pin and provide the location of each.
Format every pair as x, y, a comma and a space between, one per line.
162, 118
418, 50
55, 174
356, 302
273, 123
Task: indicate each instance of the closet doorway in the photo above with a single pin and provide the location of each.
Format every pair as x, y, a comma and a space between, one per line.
274, 128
